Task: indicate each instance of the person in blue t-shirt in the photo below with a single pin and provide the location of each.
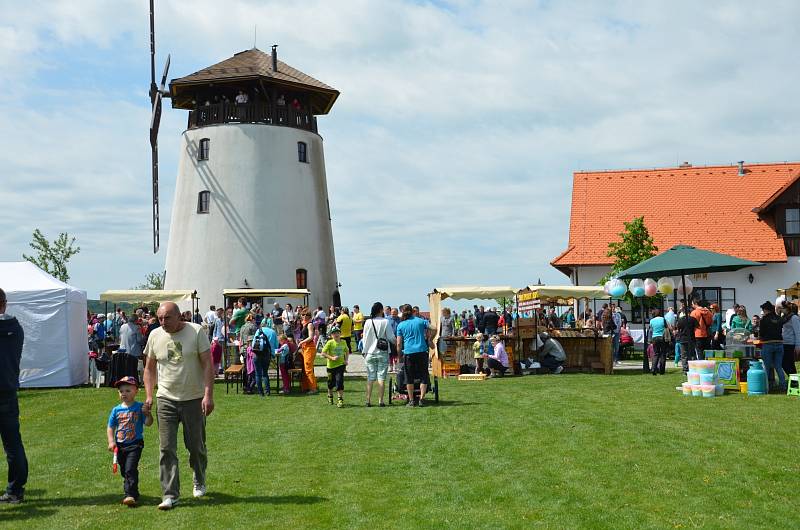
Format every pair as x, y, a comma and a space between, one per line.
126, 436
658, 328
412, 341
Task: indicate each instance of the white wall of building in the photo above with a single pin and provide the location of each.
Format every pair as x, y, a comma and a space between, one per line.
268, 213
766, 280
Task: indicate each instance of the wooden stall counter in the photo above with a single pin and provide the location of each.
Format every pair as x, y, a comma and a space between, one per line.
458, 353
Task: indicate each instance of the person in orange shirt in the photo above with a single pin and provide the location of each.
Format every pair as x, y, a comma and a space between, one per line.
704, 318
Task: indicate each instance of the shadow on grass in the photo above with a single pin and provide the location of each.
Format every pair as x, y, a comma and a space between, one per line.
37, 504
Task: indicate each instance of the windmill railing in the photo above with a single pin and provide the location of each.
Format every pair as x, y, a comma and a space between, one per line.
266, 113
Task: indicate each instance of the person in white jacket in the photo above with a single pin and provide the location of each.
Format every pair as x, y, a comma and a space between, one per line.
377, 337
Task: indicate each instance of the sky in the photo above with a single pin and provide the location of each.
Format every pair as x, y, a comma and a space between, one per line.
449, 153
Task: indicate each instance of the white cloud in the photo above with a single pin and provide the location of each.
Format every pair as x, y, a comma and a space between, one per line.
450, 151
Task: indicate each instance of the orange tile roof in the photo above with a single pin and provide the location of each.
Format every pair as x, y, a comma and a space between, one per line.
717, 202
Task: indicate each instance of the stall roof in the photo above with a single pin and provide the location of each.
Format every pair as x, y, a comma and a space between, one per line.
147, 296
267, 293
555, 293
792, 291
471, 292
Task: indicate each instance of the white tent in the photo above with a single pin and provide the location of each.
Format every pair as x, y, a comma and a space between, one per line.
53, 316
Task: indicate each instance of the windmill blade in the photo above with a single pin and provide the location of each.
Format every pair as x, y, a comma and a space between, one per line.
156, 224
164, 77
155, 121
153, 87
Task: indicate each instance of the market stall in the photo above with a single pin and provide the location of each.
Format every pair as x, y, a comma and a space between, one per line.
458, 350
122, 364
586, 349
231, 357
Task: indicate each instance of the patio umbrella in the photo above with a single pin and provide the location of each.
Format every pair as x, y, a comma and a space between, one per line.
682, 260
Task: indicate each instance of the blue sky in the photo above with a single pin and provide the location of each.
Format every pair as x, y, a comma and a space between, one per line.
450, 151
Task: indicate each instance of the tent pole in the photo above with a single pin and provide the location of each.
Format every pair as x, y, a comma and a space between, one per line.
685, 294
645, 360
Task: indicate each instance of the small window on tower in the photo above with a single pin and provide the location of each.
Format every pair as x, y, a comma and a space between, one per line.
301, 278
302, 152
203, 199
205, 145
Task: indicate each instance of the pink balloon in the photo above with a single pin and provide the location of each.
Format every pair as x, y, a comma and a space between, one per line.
650, 287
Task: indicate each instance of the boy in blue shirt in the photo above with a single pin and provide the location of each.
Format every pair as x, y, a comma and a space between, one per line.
126, 434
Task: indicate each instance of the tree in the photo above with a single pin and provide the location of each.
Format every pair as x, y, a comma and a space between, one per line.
153, 281
635, 246
52, 257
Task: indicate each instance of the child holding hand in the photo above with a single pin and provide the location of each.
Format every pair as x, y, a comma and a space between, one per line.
126, 435
335, 351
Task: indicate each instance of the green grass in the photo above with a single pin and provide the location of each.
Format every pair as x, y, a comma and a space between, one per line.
594, 451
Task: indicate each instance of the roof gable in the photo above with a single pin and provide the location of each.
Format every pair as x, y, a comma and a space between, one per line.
708, 207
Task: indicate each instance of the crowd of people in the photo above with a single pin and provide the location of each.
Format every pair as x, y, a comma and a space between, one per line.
691, 331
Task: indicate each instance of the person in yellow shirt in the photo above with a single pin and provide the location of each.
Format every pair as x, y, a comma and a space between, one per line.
336, 355
358, 326
345, 325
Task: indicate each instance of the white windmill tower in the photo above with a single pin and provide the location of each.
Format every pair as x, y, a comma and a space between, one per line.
251, 198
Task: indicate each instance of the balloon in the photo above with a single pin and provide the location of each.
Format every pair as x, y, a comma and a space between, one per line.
781, 299
607, 287
636, 288
666, 285
617, 288
650, 287
689, 287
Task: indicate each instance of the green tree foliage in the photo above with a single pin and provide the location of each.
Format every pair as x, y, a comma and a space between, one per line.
153, 281
52, 257
635, 246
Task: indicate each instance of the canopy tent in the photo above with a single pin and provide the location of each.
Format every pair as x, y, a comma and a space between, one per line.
147, 296
791, 292
475, 292
562, 294
464, 292
53, 316
267, 293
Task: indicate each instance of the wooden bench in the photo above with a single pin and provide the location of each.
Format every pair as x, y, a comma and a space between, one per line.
294, 375
234, 376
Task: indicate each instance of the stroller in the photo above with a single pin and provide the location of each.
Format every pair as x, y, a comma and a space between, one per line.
399, 392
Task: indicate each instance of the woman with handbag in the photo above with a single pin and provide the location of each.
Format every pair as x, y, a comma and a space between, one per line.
377, 337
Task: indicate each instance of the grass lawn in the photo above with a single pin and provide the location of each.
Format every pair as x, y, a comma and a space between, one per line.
622, 451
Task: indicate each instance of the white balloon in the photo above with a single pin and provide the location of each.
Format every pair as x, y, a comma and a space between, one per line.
781, 299
689, 287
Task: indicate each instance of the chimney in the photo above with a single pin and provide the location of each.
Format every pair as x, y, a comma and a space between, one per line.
685, 164
741, 168
274, 57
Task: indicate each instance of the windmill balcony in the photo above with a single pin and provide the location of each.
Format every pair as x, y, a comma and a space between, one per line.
258, 112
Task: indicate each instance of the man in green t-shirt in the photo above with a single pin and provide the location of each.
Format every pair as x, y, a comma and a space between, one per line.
335, 351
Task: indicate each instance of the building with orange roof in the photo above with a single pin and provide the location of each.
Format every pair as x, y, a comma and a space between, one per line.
751, 211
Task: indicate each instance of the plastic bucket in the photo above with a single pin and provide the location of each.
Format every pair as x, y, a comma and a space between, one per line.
743, 387
693, 377
687, 389
720, 389
706, 379
708, 390
697, 391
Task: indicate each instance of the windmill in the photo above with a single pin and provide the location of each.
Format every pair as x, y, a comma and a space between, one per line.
157, 93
